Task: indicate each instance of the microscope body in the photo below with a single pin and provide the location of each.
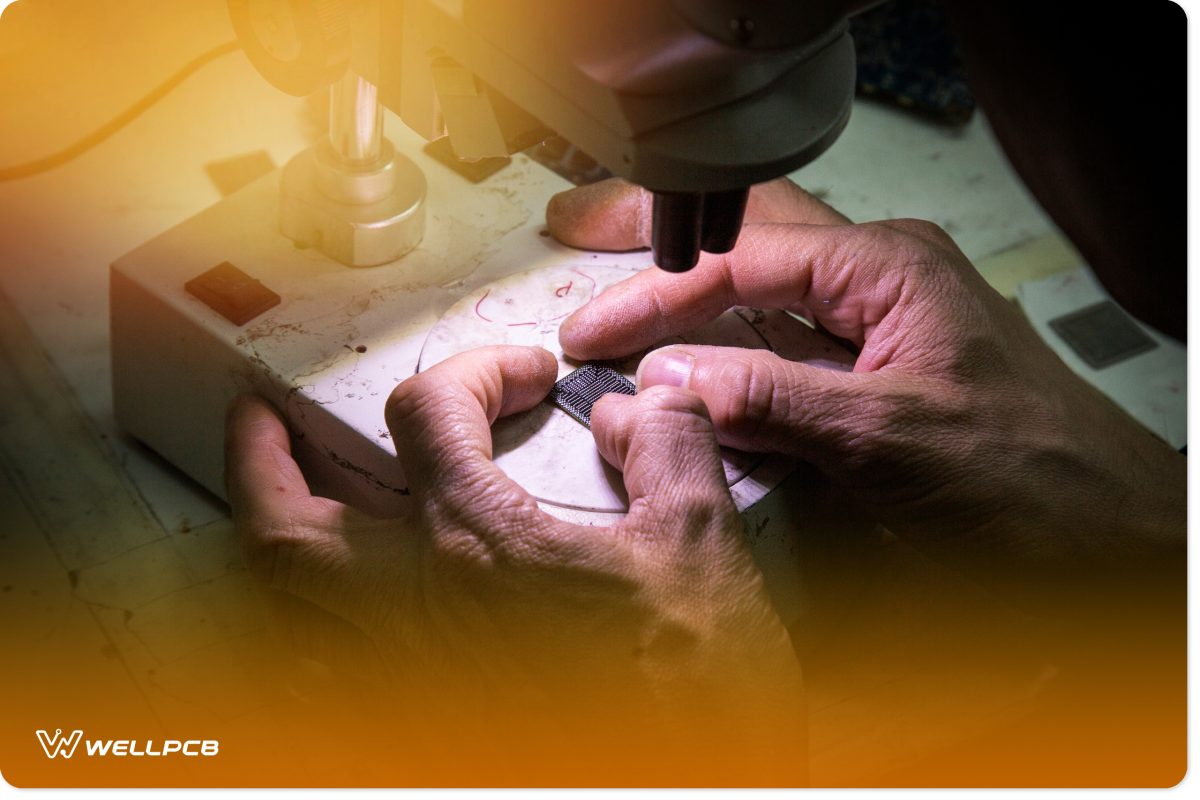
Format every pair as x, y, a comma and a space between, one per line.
696, 100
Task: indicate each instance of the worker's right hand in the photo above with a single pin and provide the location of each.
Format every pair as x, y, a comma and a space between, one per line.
958, 427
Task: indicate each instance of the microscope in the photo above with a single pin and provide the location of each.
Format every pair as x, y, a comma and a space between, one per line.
368, 258
695, 100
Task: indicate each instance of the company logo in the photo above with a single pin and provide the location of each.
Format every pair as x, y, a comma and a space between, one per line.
59, 745
64, 746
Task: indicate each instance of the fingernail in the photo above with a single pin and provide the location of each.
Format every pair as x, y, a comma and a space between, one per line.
666, 367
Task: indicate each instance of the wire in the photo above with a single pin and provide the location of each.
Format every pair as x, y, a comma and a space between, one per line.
120, 121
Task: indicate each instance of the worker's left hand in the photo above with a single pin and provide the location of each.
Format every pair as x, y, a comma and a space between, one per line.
653, 638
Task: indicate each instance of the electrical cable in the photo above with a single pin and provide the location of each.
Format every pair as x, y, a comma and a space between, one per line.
97, 136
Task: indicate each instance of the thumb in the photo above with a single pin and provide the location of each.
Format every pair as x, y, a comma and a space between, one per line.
662, 440
760, 402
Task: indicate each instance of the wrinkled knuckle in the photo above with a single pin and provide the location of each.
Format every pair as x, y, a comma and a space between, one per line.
672, 400
745, 398
727, 389
412, 401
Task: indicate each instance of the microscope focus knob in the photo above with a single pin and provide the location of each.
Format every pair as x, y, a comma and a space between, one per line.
300, 46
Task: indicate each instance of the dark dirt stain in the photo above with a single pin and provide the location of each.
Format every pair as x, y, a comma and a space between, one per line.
344, 464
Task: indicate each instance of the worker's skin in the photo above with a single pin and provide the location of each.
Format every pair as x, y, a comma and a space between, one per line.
958, 428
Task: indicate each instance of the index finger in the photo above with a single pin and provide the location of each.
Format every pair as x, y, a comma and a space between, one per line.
848, 276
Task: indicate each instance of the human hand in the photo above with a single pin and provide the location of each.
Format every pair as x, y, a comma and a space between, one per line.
648, 650
958, 427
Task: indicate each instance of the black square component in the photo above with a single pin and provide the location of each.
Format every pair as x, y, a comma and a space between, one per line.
578, 392
1102, 334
